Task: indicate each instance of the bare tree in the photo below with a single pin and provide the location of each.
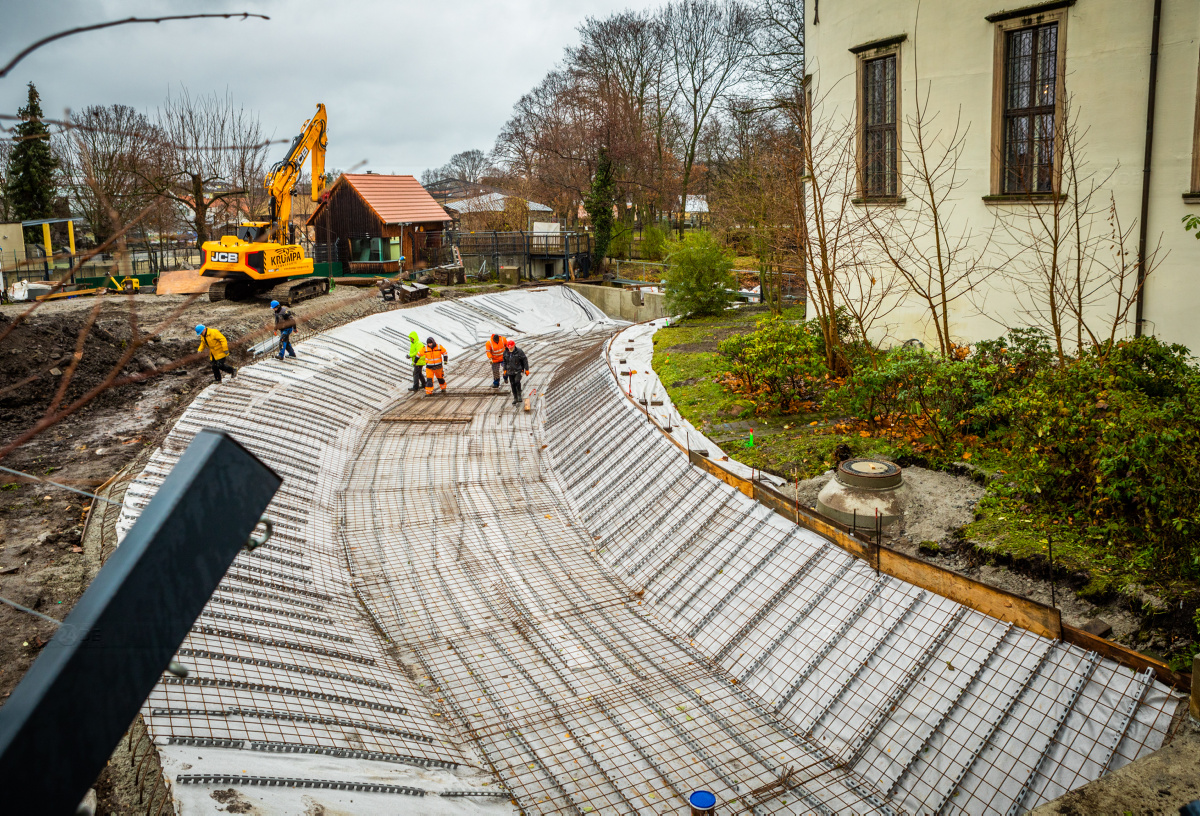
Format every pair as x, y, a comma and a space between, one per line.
777, 49
6, 147
941, 264
831, 227
469, 166
213, 159
104, 164
1068, 257
550, 143
620, 64
708, 52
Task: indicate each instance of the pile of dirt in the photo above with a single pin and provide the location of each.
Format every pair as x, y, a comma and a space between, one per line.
940, 504
183, 282
38, 352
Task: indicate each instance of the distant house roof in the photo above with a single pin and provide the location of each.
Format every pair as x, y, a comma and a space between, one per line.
491, 202
455, 188
395, 199
697, 204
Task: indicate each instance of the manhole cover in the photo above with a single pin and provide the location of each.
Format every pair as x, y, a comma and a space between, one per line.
869, 473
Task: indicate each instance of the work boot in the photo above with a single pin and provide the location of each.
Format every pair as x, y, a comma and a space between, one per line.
233, 374
495, 383
516, 402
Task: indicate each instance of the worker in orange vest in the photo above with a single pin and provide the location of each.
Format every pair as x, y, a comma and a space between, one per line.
495, 354
433, 355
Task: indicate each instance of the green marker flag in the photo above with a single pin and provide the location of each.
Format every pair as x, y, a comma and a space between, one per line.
750, 444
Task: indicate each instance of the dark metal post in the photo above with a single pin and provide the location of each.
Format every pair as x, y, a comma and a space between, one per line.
67, 714
1050, 547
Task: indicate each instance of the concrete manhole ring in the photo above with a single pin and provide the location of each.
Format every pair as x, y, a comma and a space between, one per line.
872, 474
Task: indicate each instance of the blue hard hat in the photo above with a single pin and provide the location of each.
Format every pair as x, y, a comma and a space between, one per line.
200, 328
274, 304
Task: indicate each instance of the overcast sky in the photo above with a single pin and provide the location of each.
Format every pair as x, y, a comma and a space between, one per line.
407, 83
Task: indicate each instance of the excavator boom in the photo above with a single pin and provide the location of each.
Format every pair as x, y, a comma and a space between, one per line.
263, 258
282, 177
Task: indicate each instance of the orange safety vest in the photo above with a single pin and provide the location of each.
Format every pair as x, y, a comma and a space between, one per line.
433, 356
495, 351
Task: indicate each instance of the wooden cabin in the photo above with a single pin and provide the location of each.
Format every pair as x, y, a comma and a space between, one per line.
367, 221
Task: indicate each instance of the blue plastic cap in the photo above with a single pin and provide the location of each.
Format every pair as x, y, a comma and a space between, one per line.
274, 304
200, 329
702, 799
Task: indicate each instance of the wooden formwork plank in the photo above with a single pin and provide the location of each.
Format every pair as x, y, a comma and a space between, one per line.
427, 418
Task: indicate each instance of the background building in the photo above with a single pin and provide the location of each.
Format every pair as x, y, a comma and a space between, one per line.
368, 221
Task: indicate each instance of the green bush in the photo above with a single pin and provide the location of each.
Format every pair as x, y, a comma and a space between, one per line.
1115, 435
777, 363
698, 279
654, 243
938, 395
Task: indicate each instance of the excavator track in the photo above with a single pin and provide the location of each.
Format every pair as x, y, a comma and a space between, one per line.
216, 292
294, 291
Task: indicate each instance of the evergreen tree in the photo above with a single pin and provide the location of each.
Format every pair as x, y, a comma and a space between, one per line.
599, 206
31, 165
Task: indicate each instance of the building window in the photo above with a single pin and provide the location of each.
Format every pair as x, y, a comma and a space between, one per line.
1028, 101
879, 137
1194, 188
1030, 95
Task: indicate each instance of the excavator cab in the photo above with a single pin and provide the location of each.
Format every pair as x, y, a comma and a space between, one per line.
253, 231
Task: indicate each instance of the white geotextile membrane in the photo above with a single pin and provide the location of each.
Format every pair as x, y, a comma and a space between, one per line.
283, 660
602, 704
643, 383
942, 708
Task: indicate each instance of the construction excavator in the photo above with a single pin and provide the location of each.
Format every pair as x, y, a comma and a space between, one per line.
263, 258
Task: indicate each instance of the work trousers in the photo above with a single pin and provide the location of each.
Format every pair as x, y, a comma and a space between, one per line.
433, 373
418, 376
514, 381
497, 371
222, 365
285, 344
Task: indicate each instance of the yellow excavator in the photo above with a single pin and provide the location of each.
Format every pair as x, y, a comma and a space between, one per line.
264, 258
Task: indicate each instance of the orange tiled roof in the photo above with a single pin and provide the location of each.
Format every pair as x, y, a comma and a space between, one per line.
396, 199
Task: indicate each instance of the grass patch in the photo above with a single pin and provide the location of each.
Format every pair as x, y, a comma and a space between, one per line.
691, 381
803, 444
1009, 529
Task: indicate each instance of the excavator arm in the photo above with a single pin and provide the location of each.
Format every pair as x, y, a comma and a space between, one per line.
284, 174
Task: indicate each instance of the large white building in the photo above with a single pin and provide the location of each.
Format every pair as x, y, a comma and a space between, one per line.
1015, 80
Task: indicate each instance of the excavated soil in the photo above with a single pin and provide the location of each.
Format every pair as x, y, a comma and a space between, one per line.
941, 505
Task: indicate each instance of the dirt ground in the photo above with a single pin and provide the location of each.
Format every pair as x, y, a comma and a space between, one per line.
44, 564
941, 505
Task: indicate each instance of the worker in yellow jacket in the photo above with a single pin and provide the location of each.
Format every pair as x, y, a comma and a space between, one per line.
433, 355
218, 351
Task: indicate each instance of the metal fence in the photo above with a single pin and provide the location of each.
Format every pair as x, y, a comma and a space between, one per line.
31, 265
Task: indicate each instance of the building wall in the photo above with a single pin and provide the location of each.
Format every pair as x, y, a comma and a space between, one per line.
12, 245
623, 304
949, 55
